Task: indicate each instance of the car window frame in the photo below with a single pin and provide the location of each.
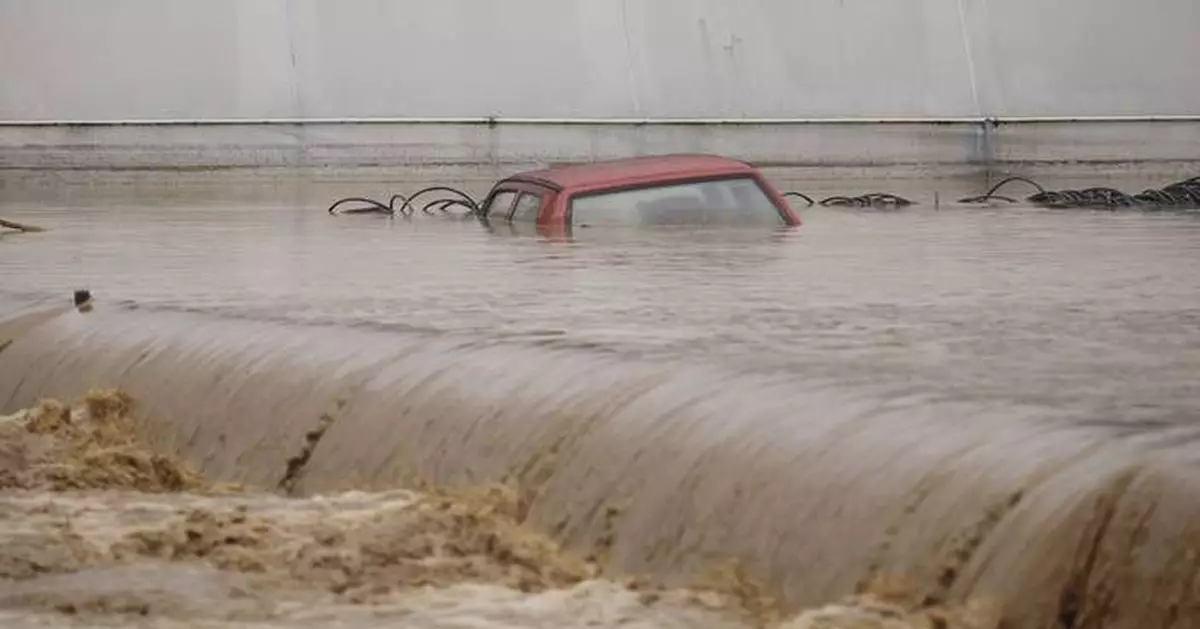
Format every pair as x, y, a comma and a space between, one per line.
545, 194
541, 204
511, 204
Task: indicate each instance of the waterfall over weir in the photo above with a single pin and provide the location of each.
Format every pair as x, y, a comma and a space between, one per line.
663, 466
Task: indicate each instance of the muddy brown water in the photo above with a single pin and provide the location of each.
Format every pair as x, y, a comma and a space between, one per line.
999, 401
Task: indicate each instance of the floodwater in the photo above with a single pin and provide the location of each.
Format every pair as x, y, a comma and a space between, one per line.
998, 401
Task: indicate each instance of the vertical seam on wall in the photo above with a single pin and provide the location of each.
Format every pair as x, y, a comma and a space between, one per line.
289, 24
966, 39
298, 132
633, 94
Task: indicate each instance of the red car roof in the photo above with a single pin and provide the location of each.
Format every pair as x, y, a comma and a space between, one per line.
635, 170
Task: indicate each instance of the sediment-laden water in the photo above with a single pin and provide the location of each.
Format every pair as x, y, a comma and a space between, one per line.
999, 404
100, 530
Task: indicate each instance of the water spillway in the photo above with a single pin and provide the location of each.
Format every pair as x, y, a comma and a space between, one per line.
998, 402
661, 464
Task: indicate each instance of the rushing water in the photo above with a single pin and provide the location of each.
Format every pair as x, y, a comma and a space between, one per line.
1088, 314
872, 389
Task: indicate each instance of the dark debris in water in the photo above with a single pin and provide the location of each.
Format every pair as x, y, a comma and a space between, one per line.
1181, 195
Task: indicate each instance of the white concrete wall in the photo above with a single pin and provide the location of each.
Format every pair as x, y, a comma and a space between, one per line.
147, 59
108, 60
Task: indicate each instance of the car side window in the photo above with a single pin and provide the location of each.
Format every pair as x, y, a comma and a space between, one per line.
500, 204
727, 201
529, 205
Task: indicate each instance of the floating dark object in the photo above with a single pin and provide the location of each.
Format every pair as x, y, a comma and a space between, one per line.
21, 227
82, 297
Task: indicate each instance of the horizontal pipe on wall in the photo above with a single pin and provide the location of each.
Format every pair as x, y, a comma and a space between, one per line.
607, 121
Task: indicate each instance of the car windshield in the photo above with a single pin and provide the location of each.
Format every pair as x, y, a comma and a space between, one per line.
736, 201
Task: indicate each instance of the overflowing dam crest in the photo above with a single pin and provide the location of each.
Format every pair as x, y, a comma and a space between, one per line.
637, 465
163, 545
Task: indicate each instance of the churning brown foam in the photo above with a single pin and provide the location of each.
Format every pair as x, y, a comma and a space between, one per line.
98, 525
662, 470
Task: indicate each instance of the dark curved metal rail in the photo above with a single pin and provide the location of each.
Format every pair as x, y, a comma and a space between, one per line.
801, 195
371, 206
442, 203
407, 208
1181, 195
871, 200
991, 194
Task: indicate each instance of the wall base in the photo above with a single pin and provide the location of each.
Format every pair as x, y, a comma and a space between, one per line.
830, 144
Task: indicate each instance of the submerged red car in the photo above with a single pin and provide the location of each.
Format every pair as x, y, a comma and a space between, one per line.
657, 190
